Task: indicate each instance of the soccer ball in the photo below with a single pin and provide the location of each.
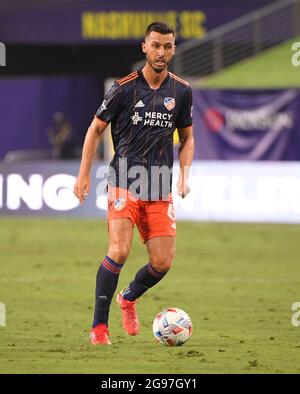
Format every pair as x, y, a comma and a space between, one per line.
172, 327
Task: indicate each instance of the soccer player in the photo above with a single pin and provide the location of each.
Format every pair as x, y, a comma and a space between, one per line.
144, 109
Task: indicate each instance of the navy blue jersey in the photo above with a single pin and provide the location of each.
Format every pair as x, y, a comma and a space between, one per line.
143, 121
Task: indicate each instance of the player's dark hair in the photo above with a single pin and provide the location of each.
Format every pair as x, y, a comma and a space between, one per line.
159, 27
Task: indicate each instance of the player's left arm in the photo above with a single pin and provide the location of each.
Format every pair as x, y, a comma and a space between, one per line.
186, 153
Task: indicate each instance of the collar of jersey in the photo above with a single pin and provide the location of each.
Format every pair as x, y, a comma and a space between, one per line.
140, 72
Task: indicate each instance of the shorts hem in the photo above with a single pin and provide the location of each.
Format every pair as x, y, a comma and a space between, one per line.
157, 235
124, 217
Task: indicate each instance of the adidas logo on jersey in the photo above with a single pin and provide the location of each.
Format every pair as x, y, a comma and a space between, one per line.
139, 104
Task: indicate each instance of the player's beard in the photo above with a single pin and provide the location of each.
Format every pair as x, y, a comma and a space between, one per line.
156, 68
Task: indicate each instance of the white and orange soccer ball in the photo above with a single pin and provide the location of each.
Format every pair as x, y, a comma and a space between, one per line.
172, 327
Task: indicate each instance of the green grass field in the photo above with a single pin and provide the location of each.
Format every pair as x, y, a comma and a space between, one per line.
237, 282
270, 69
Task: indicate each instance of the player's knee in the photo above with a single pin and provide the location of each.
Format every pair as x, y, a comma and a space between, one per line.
118, 252
162, 263
161, 260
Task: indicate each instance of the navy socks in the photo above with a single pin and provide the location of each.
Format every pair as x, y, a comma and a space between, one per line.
106, 284
145, 278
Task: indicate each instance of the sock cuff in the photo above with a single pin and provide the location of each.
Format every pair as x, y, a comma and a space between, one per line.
111, 266
155, 273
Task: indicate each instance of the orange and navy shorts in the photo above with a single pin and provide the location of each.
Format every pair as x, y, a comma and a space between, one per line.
153, 218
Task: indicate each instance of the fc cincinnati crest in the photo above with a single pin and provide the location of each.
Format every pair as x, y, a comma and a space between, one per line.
169, 103
120, 204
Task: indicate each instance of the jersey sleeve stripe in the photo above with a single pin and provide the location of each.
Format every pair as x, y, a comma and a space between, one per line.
179, 79
128, 80
127, 77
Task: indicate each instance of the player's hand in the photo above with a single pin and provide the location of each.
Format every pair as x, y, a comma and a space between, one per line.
182, 188
82, 187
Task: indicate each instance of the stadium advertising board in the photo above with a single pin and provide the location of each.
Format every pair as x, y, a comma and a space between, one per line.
117, 21
220, 191
247, 125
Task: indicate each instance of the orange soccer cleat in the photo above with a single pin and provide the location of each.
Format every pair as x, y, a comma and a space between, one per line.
100, 335
129, 315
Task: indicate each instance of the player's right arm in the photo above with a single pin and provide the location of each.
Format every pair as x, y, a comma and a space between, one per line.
91, 142
109, 109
